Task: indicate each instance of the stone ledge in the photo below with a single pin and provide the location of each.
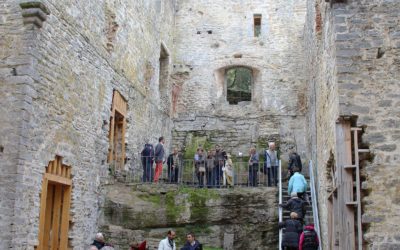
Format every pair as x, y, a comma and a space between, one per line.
34, 12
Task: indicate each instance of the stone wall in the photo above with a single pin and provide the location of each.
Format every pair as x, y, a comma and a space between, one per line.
212, 36
12, 110
240, 218
354, 73
57, 82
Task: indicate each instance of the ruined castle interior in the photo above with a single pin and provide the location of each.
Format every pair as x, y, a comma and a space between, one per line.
85, 84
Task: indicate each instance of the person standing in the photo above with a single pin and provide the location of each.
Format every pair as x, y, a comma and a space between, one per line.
168, 243
191, 243
218, 164
173, 163
147, 155
210, 168
253, 167
159, 154
271, 164
200, 166
228, 171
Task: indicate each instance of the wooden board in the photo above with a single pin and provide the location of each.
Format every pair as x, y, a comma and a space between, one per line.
345, 186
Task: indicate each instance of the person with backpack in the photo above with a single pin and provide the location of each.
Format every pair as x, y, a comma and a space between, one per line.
297, 205
309, 239
147, 156
293, 229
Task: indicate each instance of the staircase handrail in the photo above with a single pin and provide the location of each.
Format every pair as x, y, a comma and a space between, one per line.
314, 201
280, 210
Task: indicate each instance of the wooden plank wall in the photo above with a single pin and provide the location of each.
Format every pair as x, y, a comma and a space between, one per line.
344, 186
116, 137
55, 206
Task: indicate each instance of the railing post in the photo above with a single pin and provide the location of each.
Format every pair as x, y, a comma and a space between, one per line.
314, 202
280, 202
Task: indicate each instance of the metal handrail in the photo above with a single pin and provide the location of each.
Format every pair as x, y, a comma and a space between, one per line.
280, 210
314, 202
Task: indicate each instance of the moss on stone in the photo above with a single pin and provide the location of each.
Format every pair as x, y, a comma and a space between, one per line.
172, 210
153, 198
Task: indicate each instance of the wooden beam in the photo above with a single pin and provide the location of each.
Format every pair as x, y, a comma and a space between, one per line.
345, 189
358, 192
58, 179
55, 227
65, 218
123, 143
42, 213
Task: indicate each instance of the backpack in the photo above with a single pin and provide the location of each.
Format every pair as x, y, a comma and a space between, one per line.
148, 150
310, 242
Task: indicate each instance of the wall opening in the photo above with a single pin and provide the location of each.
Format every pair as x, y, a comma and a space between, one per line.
257, 24
116, 150
238, 84
55, 201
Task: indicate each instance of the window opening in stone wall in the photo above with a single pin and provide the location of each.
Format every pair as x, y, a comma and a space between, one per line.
238, 82
55, 201
257, 25
116, 151
163, 76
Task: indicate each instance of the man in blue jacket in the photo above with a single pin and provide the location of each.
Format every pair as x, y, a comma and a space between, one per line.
192, 243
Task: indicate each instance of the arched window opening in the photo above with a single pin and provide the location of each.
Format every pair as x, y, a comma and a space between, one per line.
238, 82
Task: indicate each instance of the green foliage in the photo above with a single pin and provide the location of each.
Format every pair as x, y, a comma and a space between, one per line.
212, 248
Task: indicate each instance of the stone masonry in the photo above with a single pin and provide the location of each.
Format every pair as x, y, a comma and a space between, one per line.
212, 36
354, 72
57, 79
314, 62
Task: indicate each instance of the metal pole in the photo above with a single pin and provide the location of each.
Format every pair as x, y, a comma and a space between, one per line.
280, 202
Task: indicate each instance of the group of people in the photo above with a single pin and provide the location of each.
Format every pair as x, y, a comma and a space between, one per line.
166, 244
213, 168
295, 236
169, 242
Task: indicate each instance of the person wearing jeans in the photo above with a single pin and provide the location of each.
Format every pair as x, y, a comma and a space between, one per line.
253, 167
271, 164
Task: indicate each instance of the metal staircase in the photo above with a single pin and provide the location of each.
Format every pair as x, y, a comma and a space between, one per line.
311, 215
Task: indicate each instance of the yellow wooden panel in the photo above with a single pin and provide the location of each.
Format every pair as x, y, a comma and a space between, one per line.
42, 214
58, 179
65, 218
55, 227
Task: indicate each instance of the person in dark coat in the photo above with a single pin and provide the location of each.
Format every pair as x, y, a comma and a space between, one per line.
173, 163
297, 205
191, 243
294, 161
293, 229
147, 156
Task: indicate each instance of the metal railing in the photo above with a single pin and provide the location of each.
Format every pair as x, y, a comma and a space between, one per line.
187, 173
314, 201
280, 209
